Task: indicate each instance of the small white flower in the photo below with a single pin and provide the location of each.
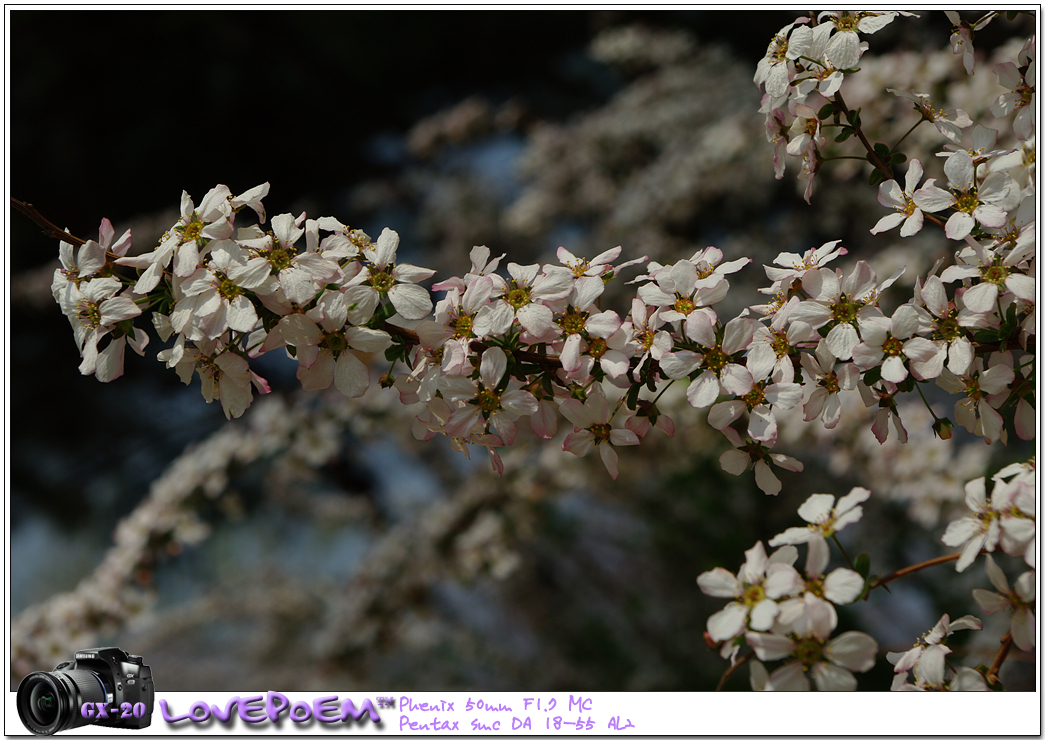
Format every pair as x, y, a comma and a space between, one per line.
824, 516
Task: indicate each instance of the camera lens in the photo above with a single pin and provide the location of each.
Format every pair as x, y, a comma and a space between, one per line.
50, 702
43, 704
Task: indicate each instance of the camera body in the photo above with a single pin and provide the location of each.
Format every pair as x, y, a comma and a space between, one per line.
118, 685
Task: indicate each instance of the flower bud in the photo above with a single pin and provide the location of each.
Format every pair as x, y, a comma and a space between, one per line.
943, 428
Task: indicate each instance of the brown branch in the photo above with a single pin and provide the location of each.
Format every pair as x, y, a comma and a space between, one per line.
1006, 646
916, 567
48, 228
733, 667
877, 161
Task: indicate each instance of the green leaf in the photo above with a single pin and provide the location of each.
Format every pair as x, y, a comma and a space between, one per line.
873, 375
845, 134
394, 352
897, 158
633, 396
862, 564
826, 112
875, 178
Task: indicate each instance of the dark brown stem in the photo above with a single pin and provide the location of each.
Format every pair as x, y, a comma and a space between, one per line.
729, 671
873, 157
1006, 646
48, 228
915, 568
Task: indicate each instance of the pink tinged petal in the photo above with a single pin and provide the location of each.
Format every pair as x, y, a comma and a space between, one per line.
794, 536
972, 549
361, 300
829, 677
769, 646
960, 531
503, 427
734, 462
699, 328
727, 623
719, 583
577, 413
816, 508
888, 222
365, 339
493, 320
410, 301
782, 580
623, 437
893, 369
788, 677
762, 426
1023, 629
411, 273
585, 290
843, 586
996, 379
241, 315
318, 374
766, 480
763, 614
959, 225
186, 259
931, 198
603, 324
544, 421
570, 356
959, 170
351, 376
464, 422
841, 340
680, 364
535, 318
519, 402
737, 335
703, 391
578, 443
609, 459
736, 379
109, 365
991, 422
1025, 420
614, 363
724, 414
117, 309
492, 366
1021, 286
990, 215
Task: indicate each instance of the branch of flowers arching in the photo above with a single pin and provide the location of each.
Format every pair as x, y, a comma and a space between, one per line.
48, 228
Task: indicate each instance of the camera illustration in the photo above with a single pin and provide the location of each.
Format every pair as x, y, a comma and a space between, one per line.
104, 686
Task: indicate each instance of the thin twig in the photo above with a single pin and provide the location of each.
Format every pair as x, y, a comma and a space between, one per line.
48, 228
733, 667
917, 567
1006, 646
